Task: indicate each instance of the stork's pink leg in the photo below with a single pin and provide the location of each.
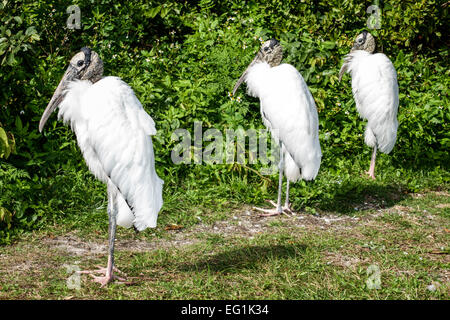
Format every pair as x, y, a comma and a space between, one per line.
108, 272
278, 209
371, 171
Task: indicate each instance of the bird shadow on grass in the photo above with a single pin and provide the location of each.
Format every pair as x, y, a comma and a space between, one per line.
246, 257
351, 197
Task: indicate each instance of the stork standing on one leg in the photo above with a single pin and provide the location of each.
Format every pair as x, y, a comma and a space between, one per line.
289, 111
375, 90
113, 132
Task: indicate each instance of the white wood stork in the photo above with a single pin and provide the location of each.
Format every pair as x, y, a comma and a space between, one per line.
289, 112
113, 132
375, 90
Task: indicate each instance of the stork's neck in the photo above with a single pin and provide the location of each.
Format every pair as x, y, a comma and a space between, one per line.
96, 79
274, 62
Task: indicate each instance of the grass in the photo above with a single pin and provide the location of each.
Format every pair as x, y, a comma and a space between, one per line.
323, 252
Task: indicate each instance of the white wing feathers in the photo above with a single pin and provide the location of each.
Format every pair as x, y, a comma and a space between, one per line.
136, 114
375, 90
114, 137
289, 111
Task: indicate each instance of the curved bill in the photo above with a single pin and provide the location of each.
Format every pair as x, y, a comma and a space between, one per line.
244, 75
58, 96
343, 70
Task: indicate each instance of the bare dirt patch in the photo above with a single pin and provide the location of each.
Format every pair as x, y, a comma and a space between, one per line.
73, 245
242, 223
76, 246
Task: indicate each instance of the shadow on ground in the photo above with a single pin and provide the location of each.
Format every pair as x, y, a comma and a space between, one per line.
247, 257
353, 197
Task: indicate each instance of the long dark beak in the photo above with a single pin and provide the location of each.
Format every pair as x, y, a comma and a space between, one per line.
58, 96
244, 75
344, 67
342, 71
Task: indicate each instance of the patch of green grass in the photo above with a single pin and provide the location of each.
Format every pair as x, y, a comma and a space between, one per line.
407, 243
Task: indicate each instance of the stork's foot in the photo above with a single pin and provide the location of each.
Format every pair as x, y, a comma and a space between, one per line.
287, 209
371, 174
267, 212
106, 278
275, 211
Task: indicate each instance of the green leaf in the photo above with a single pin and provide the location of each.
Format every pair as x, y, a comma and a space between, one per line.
30, 31
11, 60
6, 216
153, 11
329, 45
164, 12
35, 36
18, 19
18, 123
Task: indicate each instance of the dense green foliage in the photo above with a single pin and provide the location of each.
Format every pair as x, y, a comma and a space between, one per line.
182, 59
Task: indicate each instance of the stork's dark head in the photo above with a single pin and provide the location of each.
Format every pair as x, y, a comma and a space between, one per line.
364, 41
270, 52
85, 65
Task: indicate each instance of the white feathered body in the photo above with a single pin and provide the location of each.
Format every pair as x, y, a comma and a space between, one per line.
113, 132
375, 90
289, 111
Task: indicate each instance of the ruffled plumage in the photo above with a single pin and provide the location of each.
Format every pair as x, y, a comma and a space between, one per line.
289, 111
113, 132
375, 90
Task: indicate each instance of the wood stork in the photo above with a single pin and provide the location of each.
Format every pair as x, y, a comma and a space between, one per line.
113, 132
375, 90
289, 112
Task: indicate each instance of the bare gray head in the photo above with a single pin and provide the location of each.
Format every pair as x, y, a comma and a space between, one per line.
364, 41
270, 52
85, 65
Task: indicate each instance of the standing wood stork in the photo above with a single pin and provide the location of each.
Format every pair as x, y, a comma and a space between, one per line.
375, 90
113, 132
289, 112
